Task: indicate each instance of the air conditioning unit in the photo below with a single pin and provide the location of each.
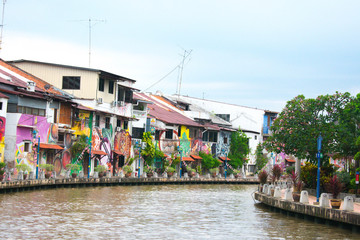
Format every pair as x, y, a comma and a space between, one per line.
31, 86
114, 103
99, 100
118, 129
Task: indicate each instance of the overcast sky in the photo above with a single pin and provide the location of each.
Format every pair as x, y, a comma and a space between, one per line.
252, 53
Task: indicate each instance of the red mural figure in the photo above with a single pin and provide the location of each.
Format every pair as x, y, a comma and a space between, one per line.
168, 145
2, 128
122, 143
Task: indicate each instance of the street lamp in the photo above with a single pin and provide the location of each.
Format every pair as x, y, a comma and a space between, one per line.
38, 154
89, 142
318, 155
180, 151
138, 146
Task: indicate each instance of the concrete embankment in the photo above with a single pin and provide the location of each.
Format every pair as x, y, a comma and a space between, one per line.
346, 218
16, 186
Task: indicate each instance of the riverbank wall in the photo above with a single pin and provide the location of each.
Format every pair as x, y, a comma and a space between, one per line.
347, 219
25, 185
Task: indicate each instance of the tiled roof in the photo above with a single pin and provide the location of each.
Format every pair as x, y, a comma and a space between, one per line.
165, 113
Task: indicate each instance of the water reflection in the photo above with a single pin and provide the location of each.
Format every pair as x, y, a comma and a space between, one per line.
152, 212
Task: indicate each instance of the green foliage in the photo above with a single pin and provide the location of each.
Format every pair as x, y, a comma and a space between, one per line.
130, 161
127, 169
296, 129
345, 178
309, 174
149, 152
214, 170
260, 158
2, 168
290, 169
47, 167
23, 167
73, 167
239, 149
100, 168
190, 170
170, 169
208, 161
198, 170
148, 169
78, 147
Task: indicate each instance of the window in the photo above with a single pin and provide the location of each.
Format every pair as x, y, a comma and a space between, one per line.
101, 84
97, 120
121, 94
26, 146
128, 96
226, 117
157, 135
169, 134
31, 111
118, 123
179, 132
225, 140
71, 82
193, 133
1, 105
205, 136
111, 87
255, 137
126, 123
137, 132
55, 116
107, 122
61, 137
210, 136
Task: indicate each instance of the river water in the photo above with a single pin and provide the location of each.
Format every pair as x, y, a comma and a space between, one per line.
152, 212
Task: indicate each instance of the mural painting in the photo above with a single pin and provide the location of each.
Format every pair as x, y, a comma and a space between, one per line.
81, 124
2, 137
168, 146
122, 143
220, 145
185, 143
101, 141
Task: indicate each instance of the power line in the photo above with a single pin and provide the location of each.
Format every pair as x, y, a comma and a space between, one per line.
163, 77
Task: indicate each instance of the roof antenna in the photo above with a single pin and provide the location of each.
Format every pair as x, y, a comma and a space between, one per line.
181, 68
2, 23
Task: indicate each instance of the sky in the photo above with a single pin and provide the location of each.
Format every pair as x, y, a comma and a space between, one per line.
258, 53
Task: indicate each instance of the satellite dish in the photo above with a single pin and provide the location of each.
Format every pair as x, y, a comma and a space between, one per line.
47, 86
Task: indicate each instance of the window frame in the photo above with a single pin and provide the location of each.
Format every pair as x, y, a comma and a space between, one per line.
71, 82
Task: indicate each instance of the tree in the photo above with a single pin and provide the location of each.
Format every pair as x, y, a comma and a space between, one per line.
260, 158
149, 152
296, 129
239, 149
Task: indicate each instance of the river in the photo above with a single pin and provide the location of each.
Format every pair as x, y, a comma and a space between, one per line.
152, 212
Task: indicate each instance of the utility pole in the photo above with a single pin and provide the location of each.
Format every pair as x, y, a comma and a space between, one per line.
2, 23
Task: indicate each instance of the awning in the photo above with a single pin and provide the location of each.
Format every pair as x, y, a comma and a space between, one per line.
290, 160
118, 152
188, 159
223, 159
98, 152
50, 146
196, 157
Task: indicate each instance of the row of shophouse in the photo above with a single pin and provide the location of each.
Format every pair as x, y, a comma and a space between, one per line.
48, 106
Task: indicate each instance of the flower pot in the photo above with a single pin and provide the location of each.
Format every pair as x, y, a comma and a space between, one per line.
25, 176
127, 175
170, 174
272, 192
1, 177
191, 174
335, 203
149, 174
213, 175
74, 175
47, 175
296, 196
101, 174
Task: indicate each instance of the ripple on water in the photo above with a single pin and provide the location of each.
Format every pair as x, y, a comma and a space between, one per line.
152, 212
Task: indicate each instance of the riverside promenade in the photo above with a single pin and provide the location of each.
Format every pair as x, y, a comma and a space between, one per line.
312, 211
25, 185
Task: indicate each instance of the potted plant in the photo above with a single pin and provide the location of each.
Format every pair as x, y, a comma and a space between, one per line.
2, 170
276, 172
127, 170
297, 186
213, 172
191, 172
100, 169
263, 178
74, 168
48, 168
24, 168
149, 171
334, 186
236, 173
170, 171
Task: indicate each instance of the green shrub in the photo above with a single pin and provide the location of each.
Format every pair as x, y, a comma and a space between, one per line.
127, 169
344, 178
170, 169
100, 168
23, 167
47, 167
2, 168
208, 161
290, 169
214, 170
73, 167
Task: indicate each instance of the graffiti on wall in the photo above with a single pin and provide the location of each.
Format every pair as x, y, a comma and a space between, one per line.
122, 143
221, 146
81, 124
102, 140
168, 146
2, 137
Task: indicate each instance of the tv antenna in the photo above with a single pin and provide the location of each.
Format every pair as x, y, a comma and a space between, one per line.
92, 23
2, 23
181, 68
